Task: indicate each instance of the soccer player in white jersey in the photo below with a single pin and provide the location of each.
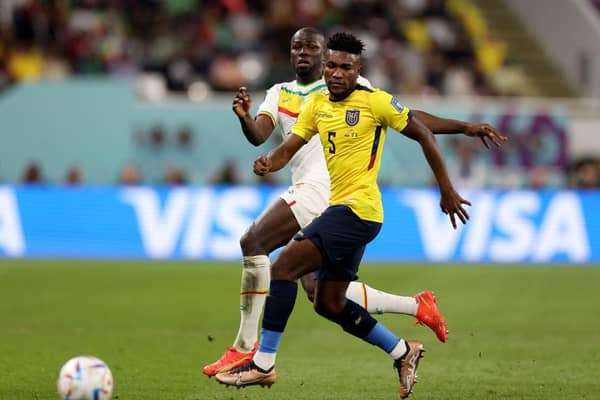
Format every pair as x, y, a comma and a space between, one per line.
306, 198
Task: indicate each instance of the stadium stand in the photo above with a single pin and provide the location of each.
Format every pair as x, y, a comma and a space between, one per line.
531, 65
416, 46
194, 53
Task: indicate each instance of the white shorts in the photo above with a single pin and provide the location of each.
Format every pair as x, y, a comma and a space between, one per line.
306, 202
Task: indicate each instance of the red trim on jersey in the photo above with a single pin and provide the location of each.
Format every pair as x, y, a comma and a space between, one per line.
292, 203
372, 161
374, 148
287, 112
269, 116
254, 292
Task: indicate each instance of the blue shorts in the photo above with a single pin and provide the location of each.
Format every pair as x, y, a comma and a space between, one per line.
341, 237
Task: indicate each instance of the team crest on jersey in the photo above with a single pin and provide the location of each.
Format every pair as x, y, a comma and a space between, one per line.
396, 104
352, 117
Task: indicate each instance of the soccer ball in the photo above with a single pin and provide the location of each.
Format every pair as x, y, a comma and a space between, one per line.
85, 378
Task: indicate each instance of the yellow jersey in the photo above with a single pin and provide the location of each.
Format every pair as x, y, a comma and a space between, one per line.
282, 104
352, 133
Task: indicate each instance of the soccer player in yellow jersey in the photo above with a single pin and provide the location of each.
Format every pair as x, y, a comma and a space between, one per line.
307, 197
351, 121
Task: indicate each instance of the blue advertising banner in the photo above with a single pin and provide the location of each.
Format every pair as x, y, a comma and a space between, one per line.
205, 223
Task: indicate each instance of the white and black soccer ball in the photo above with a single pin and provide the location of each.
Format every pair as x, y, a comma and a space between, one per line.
85, 378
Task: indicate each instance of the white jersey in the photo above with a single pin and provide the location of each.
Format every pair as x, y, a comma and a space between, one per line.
282, 104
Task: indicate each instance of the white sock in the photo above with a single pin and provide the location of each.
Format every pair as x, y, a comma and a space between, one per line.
378, 302
399, 350
256, 277
264, 360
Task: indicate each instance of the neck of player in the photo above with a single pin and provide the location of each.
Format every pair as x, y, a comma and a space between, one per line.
310, 78
341, 96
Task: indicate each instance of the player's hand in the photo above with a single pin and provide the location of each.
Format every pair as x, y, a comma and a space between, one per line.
241, 102
486, 133
452, 204
262, 166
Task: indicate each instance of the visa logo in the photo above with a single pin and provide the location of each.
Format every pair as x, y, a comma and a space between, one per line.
195, 223
12, 242
504, 227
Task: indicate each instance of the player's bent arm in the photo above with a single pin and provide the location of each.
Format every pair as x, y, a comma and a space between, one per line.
439, 125
256, 130
282, 154
451, 203
417, 131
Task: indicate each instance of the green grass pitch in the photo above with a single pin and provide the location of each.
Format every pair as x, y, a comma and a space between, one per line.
515, 332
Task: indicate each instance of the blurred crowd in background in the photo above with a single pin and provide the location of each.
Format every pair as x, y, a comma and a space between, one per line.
195, 47
467, 162
413, 46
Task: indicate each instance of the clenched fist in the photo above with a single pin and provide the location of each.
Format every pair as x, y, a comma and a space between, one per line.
262, 166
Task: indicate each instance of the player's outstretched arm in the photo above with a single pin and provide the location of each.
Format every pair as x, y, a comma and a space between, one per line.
255, 130
279, 156
487, 133
451, 202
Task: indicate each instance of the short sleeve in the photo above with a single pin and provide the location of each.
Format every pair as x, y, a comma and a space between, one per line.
388, 110
270, 104
305, 125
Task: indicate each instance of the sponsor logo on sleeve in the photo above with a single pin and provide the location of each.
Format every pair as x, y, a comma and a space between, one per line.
396, 104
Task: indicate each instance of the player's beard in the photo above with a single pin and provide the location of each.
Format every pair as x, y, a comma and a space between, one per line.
305, 71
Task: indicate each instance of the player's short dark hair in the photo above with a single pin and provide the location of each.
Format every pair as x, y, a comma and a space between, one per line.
310, 30
343, 41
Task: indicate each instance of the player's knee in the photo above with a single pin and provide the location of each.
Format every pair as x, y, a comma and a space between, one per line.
328, 310
280, 272
249, 243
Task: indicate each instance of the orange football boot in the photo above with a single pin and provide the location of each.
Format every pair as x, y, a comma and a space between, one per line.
232, 358
429, 314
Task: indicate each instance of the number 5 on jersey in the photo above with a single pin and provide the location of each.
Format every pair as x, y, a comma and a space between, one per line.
330, 136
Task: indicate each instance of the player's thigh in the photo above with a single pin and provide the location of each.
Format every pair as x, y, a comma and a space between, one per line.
306, 201
296, 208
340, 236
271, 230
297, 259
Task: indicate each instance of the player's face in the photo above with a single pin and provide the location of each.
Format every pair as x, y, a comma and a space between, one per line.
306, 54
341, 70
